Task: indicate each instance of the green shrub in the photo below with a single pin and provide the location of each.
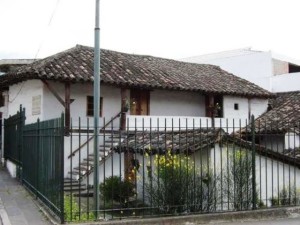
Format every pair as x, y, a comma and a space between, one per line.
287, 196
72, 212
116, 189
237, 182
174, 185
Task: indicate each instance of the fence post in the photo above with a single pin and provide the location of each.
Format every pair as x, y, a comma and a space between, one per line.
254, 199
20, 147
62, 137
38, 157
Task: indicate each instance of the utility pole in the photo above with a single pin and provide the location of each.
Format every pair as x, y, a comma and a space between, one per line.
96, 107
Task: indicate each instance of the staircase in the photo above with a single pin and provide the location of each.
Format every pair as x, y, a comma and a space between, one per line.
72, 183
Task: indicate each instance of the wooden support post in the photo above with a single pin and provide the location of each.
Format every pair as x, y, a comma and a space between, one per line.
124, 109
211, 103
128, 156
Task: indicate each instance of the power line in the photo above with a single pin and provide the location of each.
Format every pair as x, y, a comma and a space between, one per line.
49, 24
40, 46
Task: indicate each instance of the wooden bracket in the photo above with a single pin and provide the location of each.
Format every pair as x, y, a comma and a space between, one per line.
54, 93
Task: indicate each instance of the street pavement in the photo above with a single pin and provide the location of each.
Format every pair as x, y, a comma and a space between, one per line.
286, 221
17, 206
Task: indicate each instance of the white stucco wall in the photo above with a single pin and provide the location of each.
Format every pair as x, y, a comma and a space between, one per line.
257, 107
107, 170
274, 142
271, 175
53, 109
286, 82
292, 140
176, 103
230, 112
253, 66
21, 94
11, 168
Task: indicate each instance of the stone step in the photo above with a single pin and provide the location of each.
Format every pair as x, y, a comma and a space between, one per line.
116, 139
76, 186
81, 169
73, 176
69, 181
102, 153
105, 148
108, 146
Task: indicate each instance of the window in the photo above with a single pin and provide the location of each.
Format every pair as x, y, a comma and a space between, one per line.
214, 106
1, 100
236, 106
90, 106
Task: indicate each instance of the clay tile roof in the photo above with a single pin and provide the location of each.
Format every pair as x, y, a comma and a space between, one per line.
159, 142
139, 71
283, 116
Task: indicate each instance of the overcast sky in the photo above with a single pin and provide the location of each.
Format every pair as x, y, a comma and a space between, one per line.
165, 28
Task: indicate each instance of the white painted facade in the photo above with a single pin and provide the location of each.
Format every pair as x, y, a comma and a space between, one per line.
276, 142
182, 109
78, 108
176, 103
286, 82
272, 176
22, 94
246, 107
33, 94
292, 140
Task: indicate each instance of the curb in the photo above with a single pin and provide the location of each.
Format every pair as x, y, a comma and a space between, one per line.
256, 215
4, 220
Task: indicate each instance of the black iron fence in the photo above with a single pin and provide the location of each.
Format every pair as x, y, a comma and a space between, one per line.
37, 150
43, 162
157, 167
13, 137
181, 166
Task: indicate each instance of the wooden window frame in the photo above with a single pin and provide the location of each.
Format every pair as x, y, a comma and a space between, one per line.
90, 106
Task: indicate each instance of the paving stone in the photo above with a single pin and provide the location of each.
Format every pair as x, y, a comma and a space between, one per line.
18, 203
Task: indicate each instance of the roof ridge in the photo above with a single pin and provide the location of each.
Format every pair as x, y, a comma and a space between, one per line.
139, 71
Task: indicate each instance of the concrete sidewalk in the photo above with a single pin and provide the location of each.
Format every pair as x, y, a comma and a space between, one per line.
17, 206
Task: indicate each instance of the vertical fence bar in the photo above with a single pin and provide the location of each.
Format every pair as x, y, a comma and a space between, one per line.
38, 153
20, 151
253, 163
71, 172
62, 212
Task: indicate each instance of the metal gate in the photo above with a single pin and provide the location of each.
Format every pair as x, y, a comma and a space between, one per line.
13, 139
37, 150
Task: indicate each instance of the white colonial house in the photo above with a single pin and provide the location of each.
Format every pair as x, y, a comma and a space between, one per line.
160, 94
152, 86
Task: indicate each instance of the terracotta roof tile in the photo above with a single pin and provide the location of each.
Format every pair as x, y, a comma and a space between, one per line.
76, 65
283, 116
158, 142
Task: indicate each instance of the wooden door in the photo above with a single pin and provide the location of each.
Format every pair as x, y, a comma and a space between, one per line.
139, 102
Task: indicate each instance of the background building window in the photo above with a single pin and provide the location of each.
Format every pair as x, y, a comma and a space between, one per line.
90, 106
